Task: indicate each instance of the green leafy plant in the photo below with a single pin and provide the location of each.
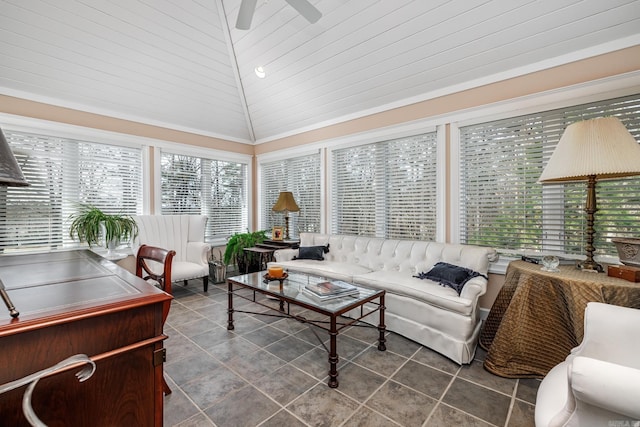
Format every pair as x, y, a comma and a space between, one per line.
89, 224
234, 252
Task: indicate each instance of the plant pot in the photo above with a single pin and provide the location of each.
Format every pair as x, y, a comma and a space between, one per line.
112, 245
628, 250
217, 272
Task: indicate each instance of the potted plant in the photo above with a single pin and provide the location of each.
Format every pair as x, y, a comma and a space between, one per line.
91, 225
235, 254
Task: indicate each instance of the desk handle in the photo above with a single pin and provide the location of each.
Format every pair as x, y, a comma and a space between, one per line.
72, 361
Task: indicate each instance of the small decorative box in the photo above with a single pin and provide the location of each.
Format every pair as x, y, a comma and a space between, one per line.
626, 272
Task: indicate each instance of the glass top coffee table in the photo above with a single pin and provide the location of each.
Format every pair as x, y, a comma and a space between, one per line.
291, 291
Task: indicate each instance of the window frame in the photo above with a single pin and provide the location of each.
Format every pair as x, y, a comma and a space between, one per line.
283, 157
211, 154
393, 133
63, 131
538, 103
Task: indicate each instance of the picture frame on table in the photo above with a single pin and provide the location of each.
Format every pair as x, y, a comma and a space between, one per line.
277, 233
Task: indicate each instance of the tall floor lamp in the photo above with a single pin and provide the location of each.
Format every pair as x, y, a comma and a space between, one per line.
10, 175
593, 150
286, 203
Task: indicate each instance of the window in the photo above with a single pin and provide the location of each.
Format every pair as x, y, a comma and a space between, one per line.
503, 206
386, 189
63, 172
201, 186
301, 176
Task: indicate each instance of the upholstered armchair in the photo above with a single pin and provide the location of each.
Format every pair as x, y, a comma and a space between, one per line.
599, 382
183, 234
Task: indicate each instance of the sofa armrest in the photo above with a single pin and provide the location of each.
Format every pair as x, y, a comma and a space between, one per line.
474, 288
607, 329
198, 252
606, 385
282, 255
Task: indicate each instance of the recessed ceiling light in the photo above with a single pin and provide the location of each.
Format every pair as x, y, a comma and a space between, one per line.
260, 72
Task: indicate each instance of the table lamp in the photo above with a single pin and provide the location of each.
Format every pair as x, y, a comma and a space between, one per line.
286, 203
10, 175
592, 150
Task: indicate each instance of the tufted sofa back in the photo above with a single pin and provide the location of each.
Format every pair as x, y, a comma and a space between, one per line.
405, 256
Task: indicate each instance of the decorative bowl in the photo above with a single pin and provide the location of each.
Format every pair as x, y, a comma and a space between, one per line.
550, 263
628, 250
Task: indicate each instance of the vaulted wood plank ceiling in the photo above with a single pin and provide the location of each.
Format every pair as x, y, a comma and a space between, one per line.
182, 64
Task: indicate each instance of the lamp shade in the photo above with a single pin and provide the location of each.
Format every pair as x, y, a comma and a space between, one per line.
10, 173
600, 147
285, 202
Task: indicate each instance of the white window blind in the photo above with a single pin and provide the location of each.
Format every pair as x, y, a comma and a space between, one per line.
503, 206
386, 189
200, 186
301, 176
61, 173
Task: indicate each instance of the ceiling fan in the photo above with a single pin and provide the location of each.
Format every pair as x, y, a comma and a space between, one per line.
248, 7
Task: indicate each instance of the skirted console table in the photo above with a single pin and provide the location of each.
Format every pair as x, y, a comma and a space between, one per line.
538, 316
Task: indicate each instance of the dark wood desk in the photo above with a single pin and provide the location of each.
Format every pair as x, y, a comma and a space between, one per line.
79, 303
538, 316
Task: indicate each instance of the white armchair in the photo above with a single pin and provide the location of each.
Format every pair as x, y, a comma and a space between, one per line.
183, 234
599, 382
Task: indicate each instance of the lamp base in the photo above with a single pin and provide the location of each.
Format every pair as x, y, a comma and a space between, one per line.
590, 267
286, 227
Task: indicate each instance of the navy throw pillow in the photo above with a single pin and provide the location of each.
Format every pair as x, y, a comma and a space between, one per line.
312, 252
450, 275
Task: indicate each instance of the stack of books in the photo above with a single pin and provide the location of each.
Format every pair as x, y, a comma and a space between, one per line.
324, 291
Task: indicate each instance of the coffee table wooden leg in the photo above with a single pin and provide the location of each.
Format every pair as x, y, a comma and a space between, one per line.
333, 354
230, 326
381, 326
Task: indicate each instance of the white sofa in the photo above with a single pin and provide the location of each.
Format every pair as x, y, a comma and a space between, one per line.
599, 382
183, 234
419, 309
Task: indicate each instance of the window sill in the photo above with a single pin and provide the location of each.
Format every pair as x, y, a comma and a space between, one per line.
500, 266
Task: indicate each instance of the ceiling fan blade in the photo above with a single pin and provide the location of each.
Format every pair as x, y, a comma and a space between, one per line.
245, 14
306, 9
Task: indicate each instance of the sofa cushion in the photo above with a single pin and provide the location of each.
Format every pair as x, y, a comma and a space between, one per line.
422, 290
334, 270
450, 275
312, 252
181, 270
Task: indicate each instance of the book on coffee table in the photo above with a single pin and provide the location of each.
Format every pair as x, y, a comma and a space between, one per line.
324, 298
329, 290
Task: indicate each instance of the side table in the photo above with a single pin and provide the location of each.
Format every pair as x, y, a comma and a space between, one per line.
538, 316
264, 255
279, 244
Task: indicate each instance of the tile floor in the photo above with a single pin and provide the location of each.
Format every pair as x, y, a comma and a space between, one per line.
273, 372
